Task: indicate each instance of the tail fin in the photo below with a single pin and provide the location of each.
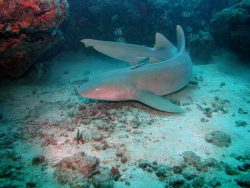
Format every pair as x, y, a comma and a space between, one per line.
180, 39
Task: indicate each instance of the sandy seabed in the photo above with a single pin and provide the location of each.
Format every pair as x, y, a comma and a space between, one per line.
43, 118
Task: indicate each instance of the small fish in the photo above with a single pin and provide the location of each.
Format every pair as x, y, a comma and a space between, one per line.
53, 32
8, 28
186, 14
193, 36
165, 16
118, 32
121, 40
115, 18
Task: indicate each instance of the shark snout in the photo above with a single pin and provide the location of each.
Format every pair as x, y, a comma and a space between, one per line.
92, 90
85, 89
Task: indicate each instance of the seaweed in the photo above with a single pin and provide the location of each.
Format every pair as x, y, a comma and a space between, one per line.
79, 136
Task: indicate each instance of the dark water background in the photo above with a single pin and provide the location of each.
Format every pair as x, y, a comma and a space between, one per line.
206, 24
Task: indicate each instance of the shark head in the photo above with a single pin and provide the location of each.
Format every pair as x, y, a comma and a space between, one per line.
103, 89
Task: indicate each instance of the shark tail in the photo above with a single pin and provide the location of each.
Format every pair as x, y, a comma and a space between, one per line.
181, 44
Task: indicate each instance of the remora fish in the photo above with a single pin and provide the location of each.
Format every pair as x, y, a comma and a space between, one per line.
146, 83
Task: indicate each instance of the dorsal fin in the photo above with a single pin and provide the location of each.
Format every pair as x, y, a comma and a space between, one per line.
180, 39
162, 43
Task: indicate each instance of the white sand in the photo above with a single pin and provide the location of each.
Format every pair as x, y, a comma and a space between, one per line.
164, 140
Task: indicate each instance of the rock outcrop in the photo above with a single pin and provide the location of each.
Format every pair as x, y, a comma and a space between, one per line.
231, 28
28, 29
82, 170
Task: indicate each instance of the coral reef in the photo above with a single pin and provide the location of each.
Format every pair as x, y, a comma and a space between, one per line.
31, 31
201, 46
112, 20
230, 28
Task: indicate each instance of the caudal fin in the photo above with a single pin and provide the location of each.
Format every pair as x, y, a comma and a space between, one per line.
180, 39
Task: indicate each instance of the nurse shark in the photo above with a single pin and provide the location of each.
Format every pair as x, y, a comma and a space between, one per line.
155, 72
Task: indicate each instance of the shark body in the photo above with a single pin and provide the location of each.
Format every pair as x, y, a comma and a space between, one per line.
148, 82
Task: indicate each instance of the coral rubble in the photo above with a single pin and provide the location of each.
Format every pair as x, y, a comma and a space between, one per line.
81, 171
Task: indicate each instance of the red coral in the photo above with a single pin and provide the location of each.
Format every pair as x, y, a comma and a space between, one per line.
19, 18
31, 14
115, 171
7, 43
25, 24
15, 28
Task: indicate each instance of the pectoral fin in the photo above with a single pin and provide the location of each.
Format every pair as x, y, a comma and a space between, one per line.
157, 102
